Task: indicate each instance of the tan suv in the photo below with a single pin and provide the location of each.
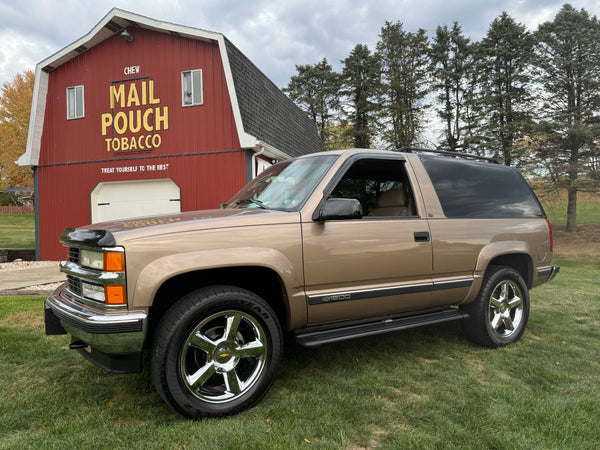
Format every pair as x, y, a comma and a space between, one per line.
325, 247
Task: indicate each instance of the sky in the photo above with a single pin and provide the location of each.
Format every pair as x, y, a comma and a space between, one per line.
275, 34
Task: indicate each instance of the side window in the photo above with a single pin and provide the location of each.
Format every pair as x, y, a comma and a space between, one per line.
75, 103
381, 186
483, 190
191, 88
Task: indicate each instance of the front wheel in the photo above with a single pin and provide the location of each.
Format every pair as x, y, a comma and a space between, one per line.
499, 314
216, 352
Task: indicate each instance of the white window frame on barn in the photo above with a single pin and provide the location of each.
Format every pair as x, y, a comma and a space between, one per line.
75, 102
191, 88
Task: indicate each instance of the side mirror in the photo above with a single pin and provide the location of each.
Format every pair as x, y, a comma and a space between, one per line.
338, 209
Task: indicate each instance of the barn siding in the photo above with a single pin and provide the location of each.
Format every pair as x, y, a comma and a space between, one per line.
200, 150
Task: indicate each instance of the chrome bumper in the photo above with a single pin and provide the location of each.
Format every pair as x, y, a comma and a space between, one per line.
110, 332
547, 273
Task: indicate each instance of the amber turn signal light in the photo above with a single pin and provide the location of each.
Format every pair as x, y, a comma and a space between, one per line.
115, 295
114, 262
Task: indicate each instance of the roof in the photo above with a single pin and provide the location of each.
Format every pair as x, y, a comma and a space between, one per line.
266, 112
266, 119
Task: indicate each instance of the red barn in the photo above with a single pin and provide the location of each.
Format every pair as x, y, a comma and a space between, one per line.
143, 117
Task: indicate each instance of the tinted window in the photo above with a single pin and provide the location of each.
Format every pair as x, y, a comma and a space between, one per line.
476, 189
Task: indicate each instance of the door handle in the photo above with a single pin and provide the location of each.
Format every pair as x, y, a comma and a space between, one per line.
421, 236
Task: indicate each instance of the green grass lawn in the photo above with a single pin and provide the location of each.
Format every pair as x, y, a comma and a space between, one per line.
555, 205
426, 388
17, 231
587, 212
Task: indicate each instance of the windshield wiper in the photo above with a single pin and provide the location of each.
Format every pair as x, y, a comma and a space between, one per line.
251, 200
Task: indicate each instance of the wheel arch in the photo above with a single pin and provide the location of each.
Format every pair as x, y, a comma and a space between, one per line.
515, 254
262, 281
521, 262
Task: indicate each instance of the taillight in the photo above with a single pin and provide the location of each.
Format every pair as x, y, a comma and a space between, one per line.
550, 233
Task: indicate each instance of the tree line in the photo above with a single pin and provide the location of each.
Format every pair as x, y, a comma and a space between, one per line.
530, 99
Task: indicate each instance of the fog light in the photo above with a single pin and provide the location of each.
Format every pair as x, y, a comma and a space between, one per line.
92, 291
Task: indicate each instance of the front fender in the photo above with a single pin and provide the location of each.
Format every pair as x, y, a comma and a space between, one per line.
162, 269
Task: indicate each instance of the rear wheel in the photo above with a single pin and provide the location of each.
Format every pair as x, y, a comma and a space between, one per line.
216, 352
499, 314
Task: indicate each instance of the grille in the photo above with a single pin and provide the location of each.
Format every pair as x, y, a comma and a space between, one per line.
74, 255
74, 285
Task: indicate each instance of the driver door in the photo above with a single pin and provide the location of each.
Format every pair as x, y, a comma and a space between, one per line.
378, 265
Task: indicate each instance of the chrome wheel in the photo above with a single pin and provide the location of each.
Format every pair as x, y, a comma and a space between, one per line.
223, 356
506, 308
499, 314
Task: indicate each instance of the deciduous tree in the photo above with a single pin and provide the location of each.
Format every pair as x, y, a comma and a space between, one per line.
15, 106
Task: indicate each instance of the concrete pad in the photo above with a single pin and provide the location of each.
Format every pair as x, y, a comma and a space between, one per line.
30, 276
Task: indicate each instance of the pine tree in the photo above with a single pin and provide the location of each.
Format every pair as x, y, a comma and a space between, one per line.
504, 60
360, 85
568, 59
404, 64
451, 68
315, 89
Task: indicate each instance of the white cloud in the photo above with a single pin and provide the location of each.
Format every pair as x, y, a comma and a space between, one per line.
274, 34
19, 53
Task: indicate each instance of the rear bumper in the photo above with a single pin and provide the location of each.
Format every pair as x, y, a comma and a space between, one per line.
116, 338
547, 274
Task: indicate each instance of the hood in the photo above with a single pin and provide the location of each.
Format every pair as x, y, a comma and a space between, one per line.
130, 229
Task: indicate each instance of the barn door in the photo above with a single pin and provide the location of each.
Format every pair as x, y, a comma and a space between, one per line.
128, 199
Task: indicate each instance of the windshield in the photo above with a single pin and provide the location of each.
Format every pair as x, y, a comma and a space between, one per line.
284, 186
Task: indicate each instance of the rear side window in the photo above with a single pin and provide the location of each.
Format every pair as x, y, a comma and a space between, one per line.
483, 190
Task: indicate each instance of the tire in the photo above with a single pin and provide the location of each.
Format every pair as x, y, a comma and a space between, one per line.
499, 314
216, 352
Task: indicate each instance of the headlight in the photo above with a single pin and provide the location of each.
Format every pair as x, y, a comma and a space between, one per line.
108, 261
93, 291
108, 284
92, 259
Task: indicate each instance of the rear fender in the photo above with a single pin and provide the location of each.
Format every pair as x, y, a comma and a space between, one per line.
488, 254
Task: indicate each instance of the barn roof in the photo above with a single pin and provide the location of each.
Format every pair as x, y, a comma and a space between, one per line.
266, 119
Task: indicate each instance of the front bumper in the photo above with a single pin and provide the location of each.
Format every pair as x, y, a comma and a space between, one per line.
115, 338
